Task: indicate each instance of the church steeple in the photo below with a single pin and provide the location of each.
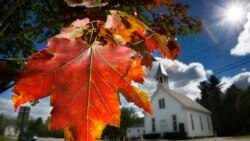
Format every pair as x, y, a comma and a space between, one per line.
162, 76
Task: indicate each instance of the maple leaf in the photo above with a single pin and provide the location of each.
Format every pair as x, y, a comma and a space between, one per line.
86, 3
140, 37
162, 2
83, 81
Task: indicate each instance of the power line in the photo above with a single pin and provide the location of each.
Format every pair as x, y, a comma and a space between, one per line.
220, 70
209, 48
232, 67
232, 64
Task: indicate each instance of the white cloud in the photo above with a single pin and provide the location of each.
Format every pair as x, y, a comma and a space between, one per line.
243, 69
241, 80
7, 108
243, 46
42, 109
183, 78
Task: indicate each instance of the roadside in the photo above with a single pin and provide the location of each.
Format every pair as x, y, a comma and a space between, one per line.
2, 138
240, 138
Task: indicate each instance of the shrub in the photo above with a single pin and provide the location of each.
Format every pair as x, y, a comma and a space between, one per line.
152, 136
174, 135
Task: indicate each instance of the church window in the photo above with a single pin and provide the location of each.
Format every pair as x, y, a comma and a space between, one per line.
192, 121
201, 123
153, 124
174, 122
161, 103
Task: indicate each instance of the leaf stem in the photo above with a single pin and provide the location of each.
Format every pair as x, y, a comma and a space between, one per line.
143, 40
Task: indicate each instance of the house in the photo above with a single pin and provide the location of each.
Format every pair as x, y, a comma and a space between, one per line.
135, 131
175, 112
11, 131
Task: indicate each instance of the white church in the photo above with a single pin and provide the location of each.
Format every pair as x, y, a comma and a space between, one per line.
173, 112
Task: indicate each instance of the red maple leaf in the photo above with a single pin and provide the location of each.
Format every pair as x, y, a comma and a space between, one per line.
84, 82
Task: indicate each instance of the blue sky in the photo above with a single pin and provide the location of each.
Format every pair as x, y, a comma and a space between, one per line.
212, 47
210, 52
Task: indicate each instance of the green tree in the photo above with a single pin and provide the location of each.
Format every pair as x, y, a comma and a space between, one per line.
3, 123
243, 106
36, 126
211, 99
128, 118
41, 128
24, 24
231, 123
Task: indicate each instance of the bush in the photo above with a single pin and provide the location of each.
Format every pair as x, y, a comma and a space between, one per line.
152, 136
174, 135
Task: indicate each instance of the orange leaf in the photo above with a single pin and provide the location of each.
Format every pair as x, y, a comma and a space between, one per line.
162, 2
148, 61
86, 3
83, 82
169, 48
143, 39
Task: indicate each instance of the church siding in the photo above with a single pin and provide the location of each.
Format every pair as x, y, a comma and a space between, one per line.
164, 116
199, 129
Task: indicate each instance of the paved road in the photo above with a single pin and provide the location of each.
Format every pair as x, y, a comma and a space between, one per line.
203, 139
49, 139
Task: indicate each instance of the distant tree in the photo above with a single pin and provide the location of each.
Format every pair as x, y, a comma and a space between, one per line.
231, 123
3, 124
243, 108
128, 118
5, 121
41, 128
36, 126
211, 99
230, 110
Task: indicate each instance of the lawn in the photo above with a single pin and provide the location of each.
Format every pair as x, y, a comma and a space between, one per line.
242, 137
2, 138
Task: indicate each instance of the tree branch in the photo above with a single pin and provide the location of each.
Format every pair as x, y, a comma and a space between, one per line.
6, 88
49, 6
10, 11
13, 59
30, 29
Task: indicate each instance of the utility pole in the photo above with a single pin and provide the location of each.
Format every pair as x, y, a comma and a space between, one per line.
23, 117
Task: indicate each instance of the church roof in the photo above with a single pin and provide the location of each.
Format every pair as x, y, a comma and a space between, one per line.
161, 71
185, 101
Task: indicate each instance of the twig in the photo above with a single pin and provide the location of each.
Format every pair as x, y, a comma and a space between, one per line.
49, 6
6, 88
13, 59
30, 29
10, 11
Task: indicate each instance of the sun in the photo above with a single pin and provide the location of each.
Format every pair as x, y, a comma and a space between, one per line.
234, 13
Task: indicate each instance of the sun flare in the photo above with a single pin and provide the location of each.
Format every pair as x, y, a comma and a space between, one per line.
234, 13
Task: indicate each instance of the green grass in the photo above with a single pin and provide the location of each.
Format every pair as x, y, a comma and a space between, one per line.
2, 138
242, 137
